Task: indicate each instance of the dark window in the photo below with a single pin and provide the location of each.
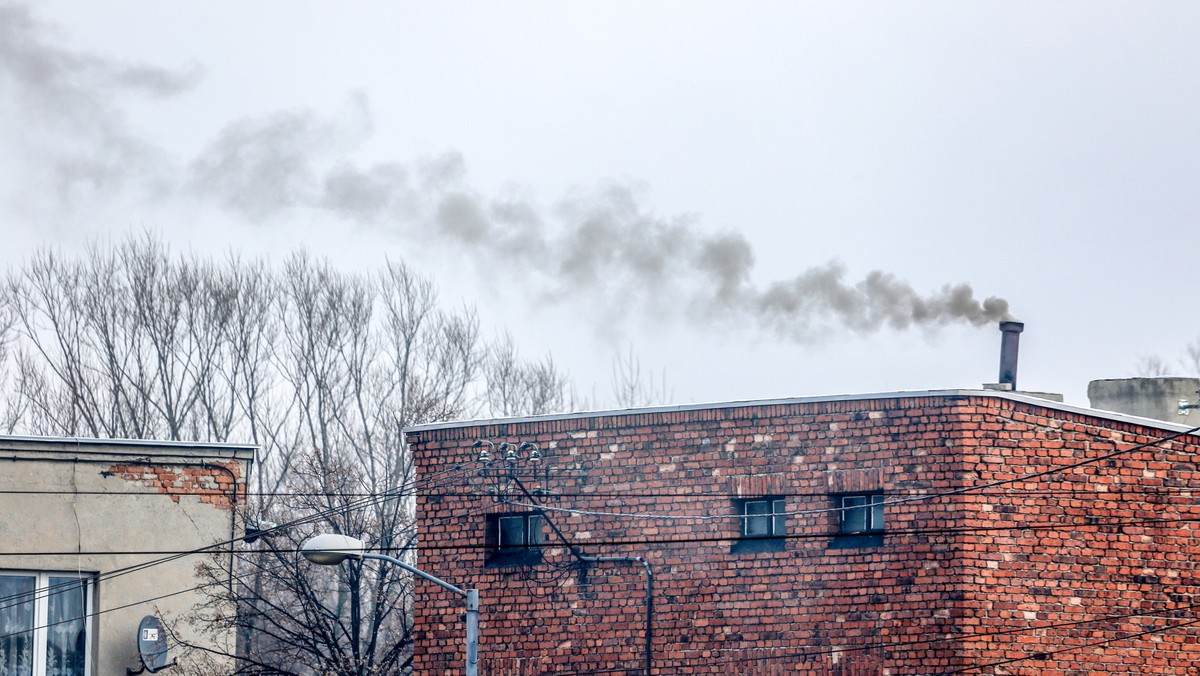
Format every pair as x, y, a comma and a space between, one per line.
860, 521
862, 513
763, 525
515, 539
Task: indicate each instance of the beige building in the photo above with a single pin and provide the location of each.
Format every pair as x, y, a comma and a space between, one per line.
87, 542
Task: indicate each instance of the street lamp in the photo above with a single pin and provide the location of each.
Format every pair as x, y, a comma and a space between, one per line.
330, 549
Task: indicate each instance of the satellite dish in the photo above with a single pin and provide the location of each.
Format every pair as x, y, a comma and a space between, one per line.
152, 644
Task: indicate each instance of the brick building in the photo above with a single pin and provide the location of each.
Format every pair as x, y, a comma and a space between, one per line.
911, 533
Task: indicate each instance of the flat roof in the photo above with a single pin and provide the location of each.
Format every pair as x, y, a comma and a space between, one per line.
995, 394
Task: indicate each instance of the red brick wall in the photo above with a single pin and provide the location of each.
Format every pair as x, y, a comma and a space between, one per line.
1113, 538
216, 484
919, 604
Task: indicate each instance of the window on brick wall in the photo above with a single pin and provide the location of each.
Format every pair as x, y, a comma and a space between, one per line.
860, 520
44, 624
763, 524
514, 539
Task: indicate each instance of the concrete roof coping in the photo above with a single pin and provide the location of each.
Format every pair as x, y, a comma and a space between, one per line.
127, 447
992, 394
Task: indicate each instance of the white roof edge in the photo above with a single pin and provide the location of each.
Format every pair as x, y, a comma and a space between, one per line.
177, 446
996, 394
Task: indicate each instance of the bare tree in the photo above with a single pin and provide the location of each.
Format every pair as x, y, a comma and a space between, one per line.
363, 357
11, 411
1190, 361
517, 387
320, 368
631, 386
125, 343
1151, 366
350, 620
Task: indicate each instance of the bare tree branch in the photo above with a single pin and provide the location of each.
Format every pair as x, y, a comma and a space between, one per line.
322, 369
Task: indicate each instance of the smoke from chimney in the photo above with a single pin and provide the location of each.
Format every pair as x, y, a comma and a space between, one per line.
601, 249
71, 133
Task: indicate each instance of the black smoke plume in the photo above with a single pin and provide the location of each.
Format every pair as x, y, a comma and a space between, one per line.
599, 249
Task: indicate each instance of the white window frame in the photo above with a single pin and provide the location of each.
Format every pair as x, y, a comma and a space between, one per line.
41, 614
870, 505
531, 527
775, 517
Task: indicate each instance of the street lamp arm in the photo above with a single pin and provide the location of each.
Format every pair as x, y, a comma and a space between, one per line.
331, 549
471, 595
418, 572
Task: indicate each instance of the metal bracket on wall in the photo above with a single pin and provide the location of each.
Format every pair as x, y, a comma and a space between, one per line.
1185, 406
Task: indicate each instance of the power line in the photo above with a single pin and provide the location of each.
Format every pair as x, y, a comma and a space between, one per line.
616, 495
893, 501
897, 532
1045, 654
1089, 523
131, 604
41, 593
980, 488
690, 494
169, 556
962, 638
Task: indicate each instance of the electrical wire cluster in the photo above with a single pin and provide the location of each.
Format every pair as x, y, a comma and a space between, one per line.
450, 476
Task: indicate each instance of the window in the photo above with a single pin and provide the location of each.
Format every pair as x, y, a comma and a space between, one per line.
44, 624
862, 513
515, 539
860, 521
763, 525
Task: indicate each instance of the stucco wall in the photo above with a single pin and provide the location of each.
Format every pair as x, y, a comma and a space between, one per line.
1156, 398
101, 507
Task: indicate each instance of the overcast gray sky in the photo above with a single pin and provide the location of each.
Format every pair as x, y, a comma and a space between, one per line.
763, 199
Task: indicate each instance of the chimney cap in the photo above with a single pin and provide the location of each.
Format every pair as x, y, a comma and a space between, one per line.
1012, 326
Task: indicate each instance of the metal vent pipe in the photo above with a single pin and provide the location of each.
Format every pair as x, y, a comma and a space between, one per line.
1009, 344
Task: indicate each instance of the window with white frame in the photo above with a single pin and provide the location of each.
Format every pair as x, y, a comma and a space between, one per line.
862, 513
860, 520
45, 624
763, 524
763, 518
